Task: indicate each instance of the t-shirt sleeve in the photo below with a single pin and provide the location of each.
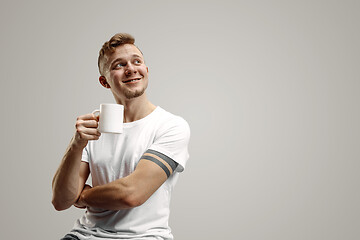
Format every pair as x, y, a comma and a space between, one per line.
85, 154
173, 141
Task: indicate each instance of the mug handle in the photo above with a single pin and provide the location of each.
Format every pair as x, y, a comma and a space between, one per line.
96, 112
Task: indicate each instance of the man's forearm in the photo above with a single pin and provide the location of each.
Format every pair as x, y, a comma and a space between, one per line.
65, 183
112, 196
128, 192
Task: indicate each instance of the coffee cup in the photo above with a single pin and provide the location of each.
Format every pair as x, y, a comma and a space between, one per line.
111, 117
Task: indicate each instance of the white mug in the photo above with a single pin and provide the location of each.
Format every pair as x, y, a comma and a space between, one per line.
111, 117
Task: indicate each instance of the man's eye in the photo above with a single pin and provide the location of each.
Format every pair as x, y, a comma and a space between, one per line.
119, 65
137, 61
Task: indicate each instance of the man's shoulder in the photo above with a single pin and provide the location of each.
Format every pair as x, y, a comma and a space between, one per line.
170, 124
171, 119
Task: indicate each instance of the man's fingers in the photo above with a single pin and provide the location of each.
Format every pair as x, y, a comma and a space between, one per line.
88, 116
87, 123
89, 131
86, 127
85, 136
79, 206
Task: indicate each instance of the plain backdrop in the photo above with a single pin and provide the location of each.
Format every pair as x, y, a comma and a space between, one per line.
269, 88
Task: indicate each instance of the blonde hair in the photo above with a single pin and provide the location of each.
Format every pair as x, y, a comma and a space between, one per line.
110, 46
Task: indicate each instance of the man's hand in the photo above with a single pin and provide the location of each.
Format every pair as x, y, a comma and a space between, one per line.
80, 203
86, 129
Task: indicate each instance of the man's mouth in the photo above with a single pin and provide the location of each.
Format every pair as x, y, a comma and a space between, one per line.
132, 80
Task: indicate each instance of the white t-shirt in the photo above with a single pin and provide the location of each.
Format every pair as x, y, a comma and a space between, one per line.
115, 156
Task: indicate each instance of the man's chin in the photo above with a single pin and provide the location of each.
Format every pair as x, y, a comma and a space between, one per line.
134, 94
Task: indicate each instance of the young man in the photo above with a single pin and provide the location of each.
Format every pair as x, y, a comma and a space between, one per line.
133, 173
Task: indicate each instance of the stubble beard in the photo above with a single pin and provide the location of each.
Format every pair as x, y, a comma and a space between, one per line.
134, 94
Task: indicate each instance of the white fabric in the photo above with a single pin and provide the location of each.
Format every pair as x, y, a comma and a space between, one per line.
114, 156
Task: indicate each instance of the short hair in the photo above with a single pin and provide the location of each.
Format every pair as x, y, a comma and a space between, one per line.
110, 46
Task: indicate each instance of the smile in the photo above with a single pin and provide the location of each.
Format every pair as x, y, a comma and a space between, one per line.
132, 80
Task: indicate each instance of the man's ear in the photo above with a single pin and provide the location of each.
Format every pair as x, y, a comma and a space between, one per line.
147, 69
103, 82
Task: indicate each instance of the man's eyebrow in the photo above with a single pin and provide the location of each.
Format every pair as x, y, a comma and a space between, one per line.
136, 55
115, 60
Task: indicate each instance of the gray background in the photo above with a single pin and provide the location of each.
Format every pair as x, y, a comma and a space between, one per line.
269, 88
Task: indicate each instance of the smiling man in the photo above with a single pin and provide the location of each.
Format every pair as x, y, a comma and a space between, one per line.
133, 173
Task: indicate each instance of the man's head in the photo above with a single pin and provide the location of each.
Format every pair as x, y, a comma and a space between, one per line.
109, 47
122, 67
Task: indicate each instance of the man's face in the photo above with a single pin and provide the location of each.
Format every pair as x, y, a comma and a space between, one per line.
126, 72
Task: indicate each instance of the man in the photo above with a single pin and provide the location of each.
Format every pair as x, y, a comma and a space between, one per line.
133, 173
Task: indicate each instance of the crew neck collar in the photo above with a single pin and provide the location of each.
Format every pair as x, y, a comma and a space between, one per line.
137, 122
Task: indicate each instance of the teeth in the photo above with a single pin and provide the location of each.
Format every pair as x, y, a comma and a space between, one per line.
133, 80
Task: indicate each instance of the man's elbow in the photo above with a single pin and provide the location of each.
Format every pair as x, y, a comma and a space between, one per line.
57, 206
60, 205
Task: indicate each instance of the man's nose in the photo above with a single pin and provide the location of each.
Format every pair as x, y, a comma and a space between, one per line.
130, 69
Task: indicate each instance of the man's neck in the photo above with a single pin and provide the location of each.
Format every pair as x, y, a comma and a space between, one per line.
136, 108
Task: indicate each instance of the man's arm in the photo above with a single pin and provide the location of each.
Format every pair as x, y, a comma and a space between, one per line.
151, 172
70, 177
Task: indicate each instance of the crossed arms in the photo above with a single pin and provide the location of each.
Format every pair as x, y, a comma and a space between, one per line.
69, 186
